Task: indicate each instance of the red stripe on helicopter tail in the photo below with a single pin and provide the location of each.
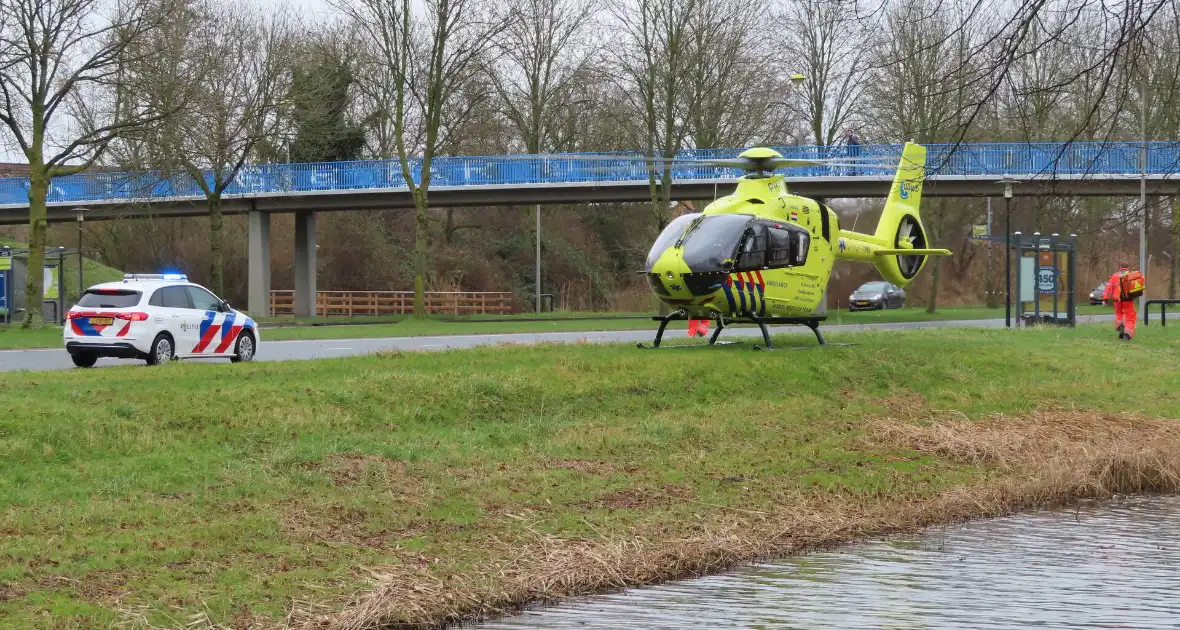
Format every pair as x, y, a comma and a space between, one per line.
229, 338
207, 338
761, 282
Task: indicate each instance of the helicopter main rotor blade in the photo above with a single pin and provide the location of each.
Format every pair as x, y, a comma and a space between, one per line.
624, 160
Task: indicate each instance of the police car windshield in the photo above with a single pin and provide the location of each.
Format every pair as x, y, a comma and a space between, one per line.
714, 240
109, 298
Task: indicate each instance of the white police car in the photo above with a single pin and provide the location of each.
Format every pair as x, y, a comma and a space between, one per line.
156, 317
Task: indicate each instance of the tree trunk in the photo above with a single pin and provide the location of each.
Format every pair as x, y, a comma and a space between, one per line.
216, 271
935, 232
1175, 246
934, 274
38, 225
421, 225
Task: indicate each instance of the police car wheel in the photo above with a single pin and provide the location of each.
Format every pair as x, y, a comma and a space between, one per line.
84, 360
243, 349
162, 350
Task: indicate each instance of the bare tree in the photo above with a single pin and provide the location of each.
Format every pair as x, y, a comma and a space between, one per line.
244, 57
56, 58
827, 41
430, 57
729, 98
1158, 96
653, 65
540, 56
925, 92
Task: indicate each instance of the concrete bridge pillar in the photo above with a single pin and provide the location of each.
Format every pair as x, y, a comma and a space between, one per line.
258, 280
305, 265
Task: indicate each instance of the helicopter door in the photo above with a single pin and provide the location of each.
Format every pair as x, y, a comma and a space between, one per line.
788, 247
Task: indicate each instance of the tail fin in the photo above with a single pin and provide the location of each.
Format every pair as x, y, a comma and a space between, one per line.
901, 224
899, 248
905, 197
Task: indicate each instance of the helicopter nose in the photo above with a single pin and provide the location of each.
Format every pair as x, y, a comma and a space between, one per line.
665, 279
662, 280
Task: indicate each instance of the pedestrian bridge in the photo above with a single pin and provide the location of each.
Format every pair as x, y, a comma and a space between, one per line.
1052, 168
958, 170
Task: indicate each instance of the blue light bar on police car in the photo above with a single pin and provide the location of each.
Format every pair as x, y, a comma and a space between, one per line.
179, 277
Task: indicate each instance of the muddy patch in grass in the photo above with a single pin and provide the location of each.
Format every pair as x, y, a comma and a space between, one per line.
589, 467
10, 591
352, 469
636, 498
336, 524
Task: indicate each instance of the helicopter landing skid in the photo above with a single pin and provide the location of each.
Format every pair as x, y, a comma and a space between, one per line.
810, 322
679, 316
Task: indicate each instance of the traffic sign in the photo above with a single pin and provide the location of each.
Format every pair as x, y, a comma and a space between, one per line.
1047, 279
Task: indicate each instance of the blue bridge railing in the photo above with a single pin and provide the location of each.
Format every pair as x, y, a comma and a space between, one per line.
1047, 159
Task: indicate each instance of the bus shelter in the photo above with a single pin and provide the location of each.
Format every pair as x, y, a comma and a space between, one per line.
1046, 279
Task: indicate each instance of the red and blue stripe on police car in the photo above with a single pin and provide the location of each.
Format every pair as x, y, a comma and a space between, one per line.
228, 330
83, 323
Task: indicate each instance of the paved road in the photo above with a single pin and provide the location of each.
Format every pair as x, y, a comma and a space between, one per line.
57, 359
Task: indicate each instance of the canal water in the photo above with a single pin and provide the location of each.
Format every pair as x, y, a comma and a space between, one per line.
1107, 565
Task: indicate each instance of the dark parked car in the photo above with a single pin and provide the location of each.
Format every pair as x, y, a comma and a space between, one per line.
875, 296
1096, 294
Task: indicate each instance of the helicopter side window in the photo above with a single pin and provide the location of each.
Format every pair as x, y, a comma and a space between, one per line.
788, 247
753, 249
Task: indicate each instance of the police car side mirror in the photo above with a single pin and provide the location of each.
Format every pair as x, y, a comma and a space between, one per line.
225, 307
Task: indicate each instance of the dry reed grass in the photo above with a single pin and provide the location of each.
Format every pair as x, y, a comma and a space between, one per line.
1030, 460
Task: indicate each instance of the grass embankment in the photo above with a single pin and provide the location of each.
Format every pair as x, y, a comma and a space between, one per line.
12, 337
426, 487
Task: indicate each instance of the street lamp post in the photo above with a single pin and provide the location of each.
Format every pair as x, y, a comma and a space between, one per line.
80, 283
1007, 250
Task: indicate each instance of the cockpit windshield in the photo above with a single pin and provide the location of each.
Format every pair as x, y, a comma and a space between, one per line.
710, 243
668, 237
714, 240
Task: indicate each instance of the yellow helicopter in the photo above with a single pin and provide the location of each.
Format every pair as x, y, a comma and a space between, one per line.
763, 256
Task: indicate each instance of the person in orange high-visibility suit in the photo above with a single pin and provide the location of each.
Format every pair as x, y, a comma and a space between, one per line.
698, 327
1125, 315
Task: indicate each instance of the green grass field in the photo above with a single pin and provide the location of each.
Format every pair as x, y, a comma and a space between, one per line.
228, 492
13, 337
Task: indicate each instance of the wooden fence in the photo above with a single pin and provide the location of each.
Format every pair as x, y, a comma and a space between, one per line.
362, 303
